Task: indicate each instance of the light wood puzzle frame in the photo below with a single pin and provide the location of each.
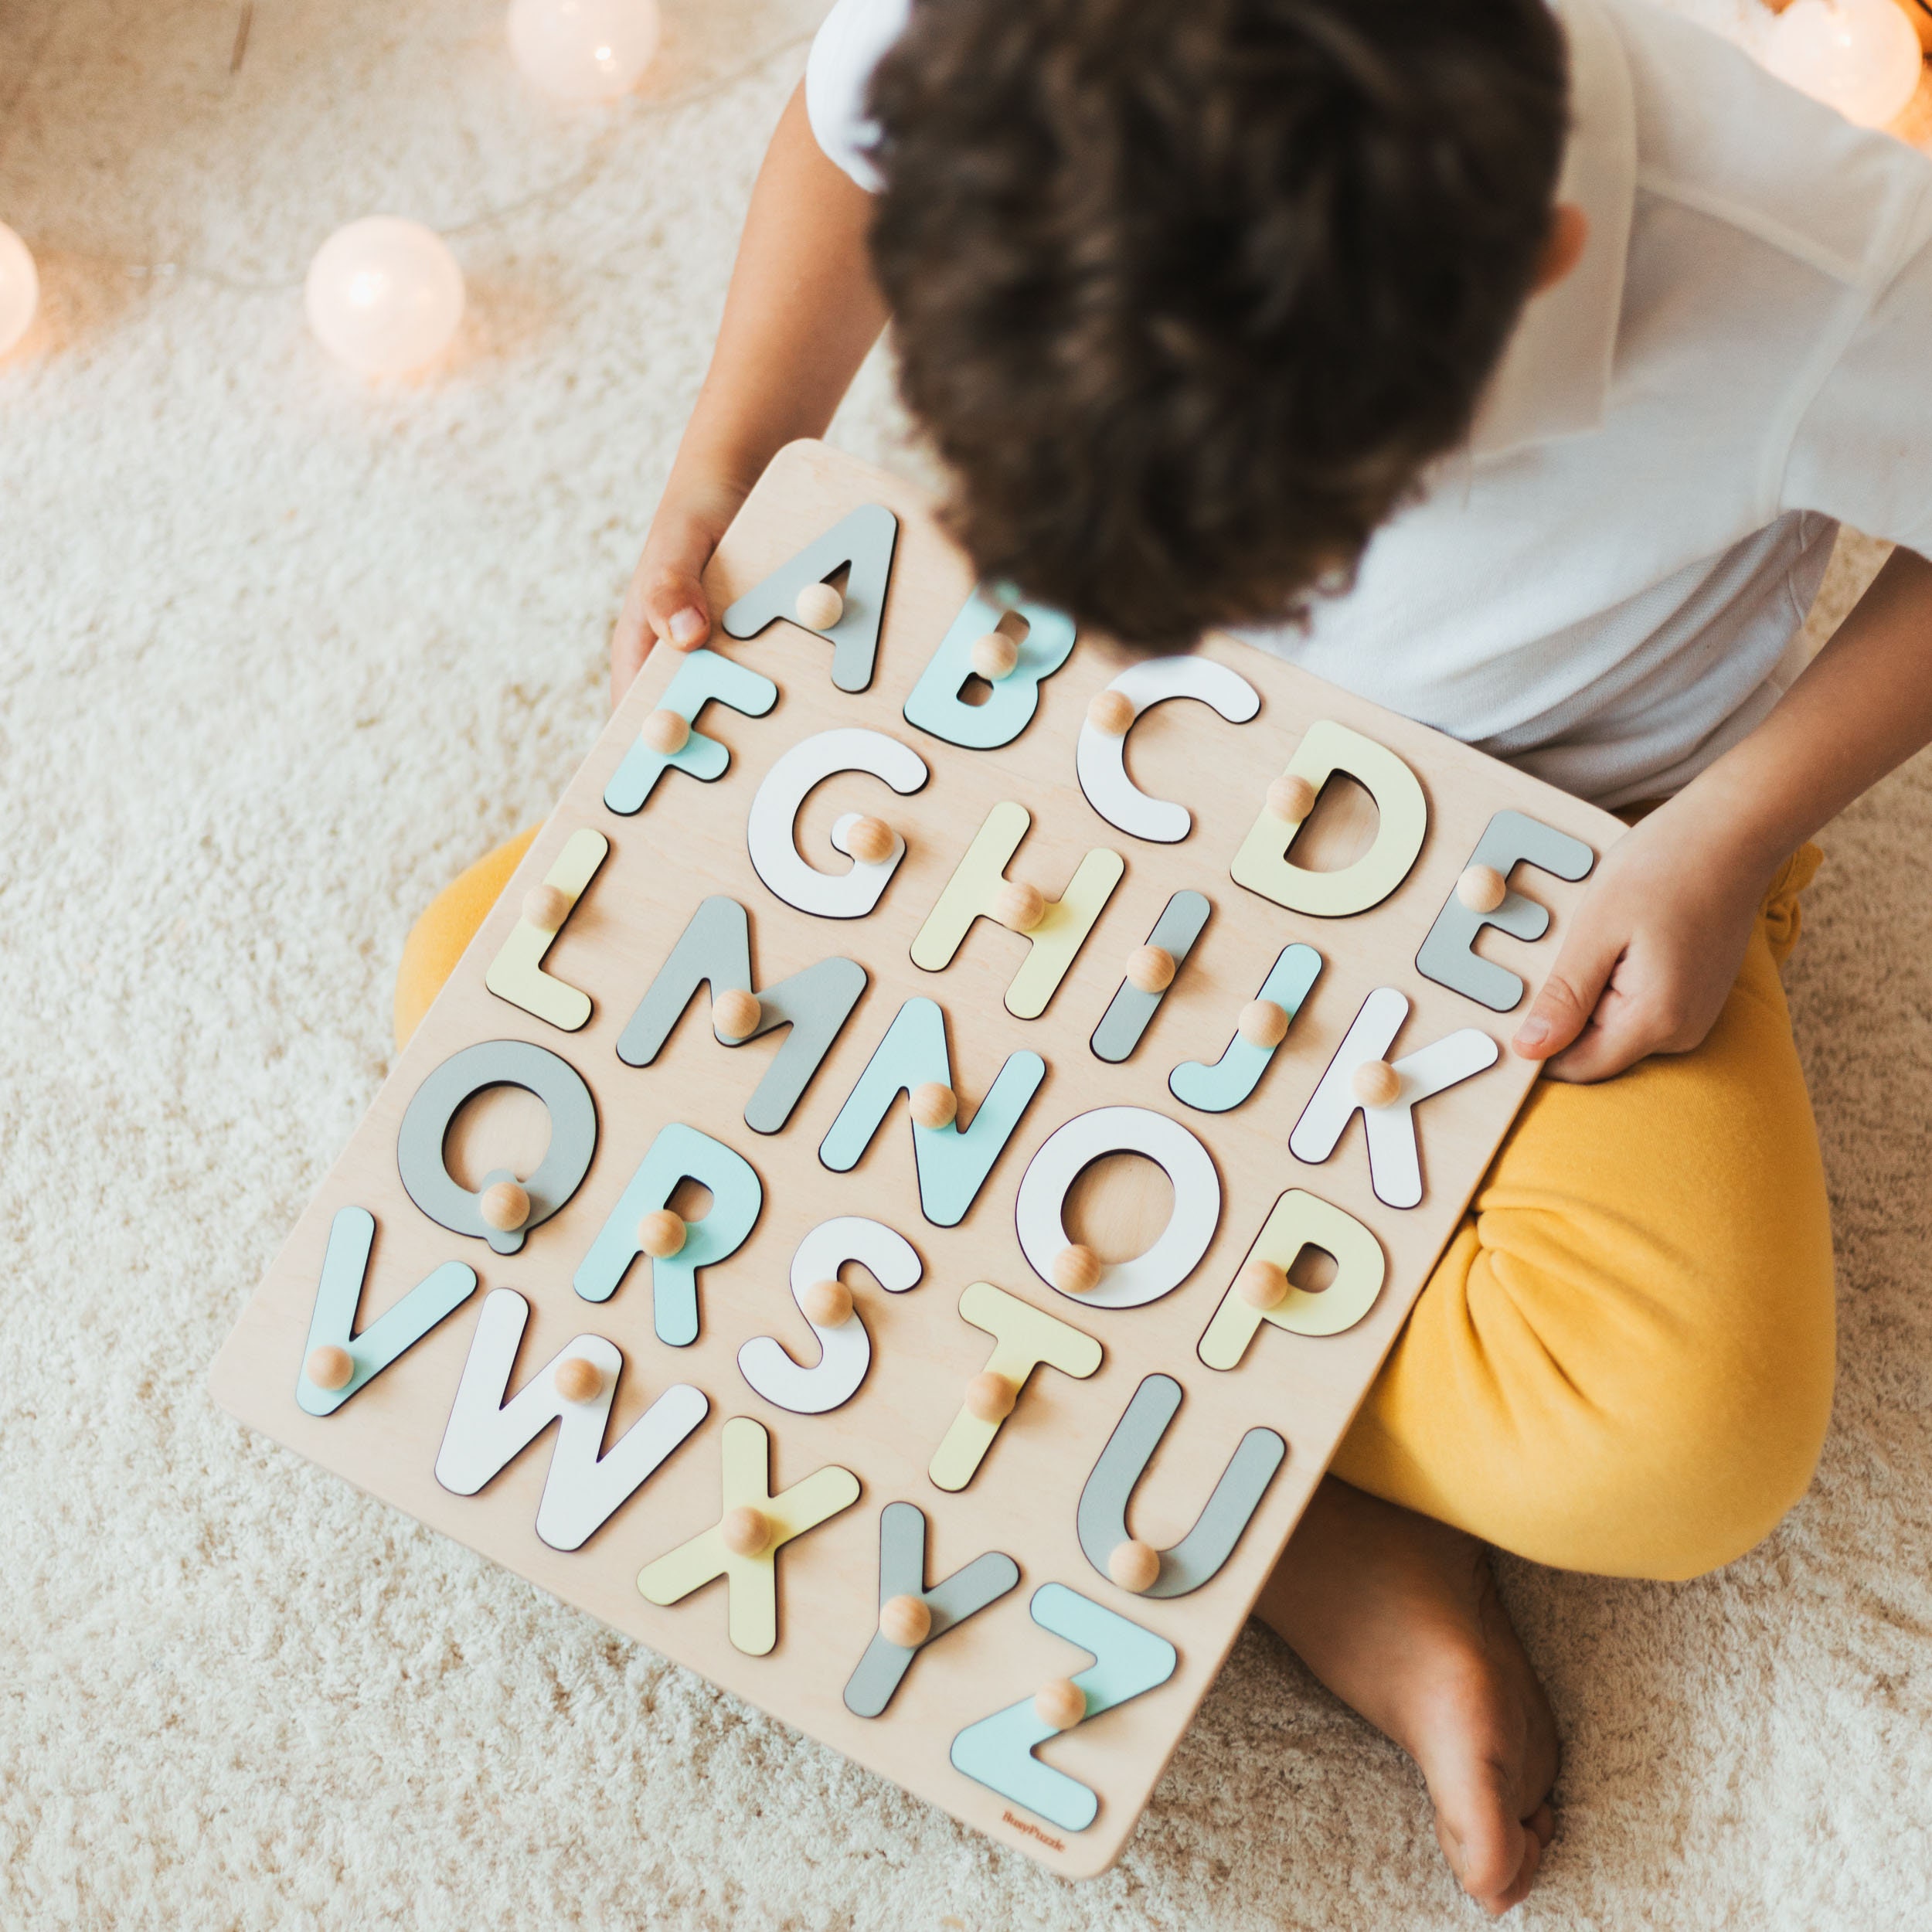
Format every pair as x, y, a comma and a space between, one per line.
687, 842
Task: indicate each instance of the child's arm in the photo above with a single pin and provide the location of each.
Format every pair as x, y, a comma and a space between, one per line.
1658, 940
801, 313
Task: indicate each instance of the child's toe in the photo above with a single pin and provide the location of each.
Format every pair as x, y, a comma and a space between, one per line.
1480, 1834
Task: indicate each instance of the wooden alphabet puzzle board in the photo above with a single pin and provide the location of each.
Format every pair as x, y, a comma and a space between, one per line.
987, 1515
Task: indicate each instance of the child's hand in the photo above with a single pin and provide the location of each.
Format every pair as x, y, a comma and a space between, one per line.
666, 601
1653, 953
802, 314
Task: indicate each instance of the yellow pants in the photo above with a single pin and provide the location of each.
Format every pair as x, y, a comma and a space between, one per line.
1622, 1362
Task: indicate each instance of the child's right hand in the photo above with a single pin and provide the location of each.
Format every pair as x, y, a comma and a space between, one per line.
666, 602
802, 314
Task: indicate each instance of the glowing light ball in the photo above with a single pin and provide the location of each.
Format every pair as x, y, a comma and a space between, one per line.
19, 288
1860, 56
583, 49
385, 295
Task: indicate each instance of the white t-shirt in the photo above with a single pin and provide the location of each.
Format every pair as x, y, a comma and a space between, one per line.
1605, 589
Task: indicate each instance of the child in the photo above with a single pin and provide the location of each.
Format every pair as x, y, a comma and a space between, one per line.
1510, 368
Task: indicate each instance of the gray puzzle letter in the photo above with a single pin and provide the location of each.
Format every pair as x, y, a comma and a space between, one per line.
864, 541
1448, 956
1131, 1012
901, 1573
497, 1063
716, 946
1198, 1556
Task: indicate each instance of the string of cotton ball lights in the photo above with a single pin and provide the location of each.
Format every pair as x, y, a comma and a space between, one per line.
379, 291
583, 49
1861, 57
19, 288
386, 296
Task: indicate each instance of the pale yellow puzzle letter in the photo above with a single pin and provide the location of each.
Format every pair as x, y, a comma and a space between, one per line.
1261, 865
742, 1546
1024, 1339
1301, 1220
517, 974
979, 889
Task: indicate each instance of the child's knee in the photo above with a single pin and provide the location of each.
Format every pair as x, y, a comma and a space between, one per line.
1709, 1430
1732, 1467
1643, 1407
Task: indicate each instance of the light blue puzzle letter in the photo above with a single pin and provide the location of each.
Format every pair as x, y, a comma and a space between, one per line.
934, 704
1234, 1076
702, 676
679, 1153
997, 1751
953, 1162
339, 1293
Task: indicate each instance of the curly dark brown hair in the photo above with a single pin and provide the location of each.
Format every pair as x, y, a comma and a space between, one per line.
1187, 292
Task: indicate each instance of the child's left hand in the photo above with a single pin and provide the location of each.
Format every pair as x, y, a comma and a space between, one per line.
1661, 934
1653, 953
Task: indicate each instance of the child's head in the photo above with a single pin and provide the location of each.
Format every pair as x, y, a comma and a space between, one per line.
1188, 291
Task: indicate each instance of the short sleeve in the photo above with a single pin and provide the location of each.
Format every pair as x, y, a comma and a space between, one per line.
850, 44
1863, 452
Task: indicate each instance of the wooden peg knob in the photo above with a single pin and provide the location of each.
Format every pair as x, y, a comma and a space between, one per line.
577, 1380
1262, 1283
1111, 713
934, 1104
1018, 906
1376, 1083
1134, 1565
1263, 1023
661, 1234
1290, 798
819, 606
331, 1367
735, 1013
906, 1621
991, 1397
666, 733
1077, 1269
1482, 889
503, 1205
828, 1304
1151, 970
1062, 1703
547, 907
747, 1532
869, 841
995, 655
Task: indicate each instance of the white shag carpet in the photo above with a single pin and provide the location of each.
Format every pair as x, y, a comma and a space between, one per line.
281, 653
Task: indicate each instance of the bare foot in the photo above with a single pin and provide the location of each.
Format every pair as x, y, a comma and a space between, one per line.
1399, 1616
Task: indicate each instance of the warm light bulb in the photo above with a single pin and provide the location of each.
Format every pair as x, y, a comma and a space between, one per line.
1860, 56
384, 295
583, 49
19, 288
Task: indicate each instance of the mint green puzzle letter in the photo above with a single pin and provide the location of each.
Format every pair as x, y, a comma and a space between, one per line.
679, 1153
702, 676
339, 1293
997, 1751
934, 704
953, 1163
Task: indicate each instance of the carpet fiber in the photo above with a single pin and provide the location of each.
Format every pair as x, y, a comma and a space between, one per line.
281, 653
